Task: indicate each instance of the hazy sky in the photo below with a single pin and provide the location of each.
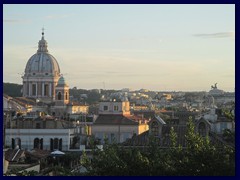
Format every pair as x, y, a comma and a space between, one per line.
157, 47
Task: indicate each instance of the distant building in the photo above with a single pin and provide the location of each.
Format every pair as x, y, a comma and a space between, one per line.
215, 91
161, 132
183, 116
143, 90
115, 123
219, 96
218, 122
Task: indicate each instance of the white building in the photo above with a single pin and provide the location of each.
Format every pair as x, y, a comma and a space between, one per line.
46, 139
217, 121
115, 122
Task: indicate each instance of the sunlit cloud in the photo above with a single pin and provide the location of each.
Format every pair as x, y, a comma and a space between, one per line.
230, 34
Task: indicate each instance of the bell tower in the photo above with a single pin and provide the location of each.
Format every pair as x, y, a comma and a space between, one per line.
61, 92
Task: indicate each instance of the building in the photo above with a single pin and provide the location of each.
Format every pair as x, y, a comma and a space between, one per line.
160, 131
44, 88
215, 91
115, 122
61, 99
41, 74
41, 118
45, 139
218, 121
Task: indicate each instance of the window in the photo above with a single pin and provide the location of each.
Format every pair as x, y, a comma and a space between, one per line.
155, 128
41, 143
59, 96
51, 144
13, 143
38, 126
34, 90
46, 90
55, 143
60, 144
36, 143
115, 108
105, 108
16, 143
66, 95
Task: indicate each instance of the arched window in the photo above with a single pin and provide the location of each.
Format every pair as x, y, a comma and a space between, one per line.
55, 143
34, 89
155, 128
46, 90
202, 129
16, 143
13, 143
60, 144
51, 144
36, 143
59, 95
66, 96
41, 143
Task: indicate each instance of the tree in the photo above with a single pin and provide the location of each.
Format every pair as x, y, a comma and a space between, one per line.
12, 89
198, 158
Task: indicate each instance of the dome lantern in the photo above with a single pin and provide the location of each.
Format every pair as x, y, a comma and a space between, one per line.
42, 44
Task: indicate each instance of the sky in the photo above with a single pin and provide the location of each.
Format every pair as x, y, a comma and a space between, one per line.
158, 47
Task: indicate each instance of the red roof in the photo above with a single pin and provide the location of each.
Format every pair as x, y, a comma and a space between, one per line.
117, 120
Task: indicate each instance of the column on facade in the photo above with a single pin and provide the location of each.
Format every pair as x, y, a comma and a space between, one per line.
50, 89
39, 89
29, 89
42, 89
36, 90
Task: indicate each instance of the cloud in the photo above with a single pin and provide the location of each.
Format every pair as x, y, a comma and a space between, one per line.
230, 34
15, 20
57, 16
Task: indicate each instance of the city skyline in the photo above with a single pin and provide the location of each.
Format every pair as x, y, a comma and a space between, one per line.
157, 47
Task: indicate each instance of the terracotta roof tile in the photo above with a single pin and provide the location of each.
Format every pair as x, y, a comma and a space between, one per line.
116, 119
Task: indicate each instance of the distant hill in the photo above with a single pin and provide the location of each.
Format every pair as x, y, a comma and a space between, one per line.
12, 89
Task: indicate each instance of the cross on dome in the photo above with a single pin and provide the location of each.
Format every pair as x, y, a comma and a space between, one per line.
43, 31
42, 44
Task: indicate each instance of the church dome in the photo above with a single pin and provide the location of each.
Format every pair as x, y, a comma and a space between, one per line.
61, 81
42, 63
